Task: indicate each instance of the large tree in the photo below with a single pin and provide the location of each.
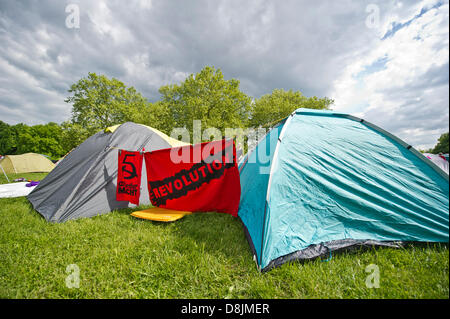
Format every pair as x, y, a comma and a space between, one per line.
99, 102
273, 107
73, 134
207, 97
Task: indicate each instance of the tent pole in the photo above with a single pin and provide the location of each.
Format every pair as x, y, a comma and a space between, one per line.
5, 173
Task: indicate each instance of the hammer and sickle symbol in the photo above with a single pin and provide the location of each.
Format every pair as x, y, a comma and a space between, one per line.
132, 173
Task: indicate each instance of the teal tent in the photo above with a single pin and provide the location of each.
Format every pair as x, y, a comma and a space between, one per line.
321, 181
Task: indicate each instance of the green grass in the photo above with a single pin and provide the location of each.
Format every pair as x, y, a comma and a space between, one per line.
28, 176
200, 256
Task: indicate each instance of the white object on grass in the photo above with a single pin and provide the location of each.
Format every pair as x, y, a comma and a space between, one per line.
15, 190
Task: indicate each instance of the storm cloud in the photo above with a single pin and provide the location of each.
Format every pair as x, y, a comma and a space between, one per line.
386, 61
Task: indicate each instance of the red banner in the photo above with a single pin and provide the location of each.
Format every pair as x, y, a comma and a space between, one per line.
197, 178
129, 176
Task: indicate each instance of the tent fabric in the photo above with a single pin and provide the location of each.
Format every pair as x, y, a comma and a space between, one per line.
15, 190
129, 176
26, 163
173, 142
439, 160
336, 181
83, 184
204, 184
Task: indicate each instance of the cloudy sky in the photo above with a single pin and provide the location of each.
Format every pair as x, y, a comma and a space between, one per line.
386, 61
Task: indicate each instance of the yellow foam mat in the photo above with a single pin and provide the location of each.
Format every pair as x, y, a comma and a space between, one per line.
160, 214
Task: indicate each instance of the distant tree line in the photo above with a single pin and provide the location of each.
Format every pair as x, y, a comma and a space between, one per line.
98, 102
44, 139
442, 145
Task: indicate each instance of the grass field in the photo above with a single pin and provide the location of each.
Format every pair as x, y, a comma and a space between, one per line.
200, 256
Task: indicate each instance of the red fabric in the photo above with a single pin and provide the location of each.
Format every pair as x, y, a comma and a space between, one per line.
206, 180
129, 176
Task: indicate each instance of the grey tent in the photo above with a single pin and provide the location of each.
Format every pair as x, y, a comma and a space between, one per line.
83, 184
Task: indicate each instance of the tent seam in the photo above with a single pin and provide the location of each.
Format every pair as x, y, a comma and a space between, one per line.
14, 167
275, 158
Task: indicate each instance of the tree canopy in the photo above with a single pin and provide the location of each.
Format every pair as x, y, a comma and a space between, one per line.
7, 139
442, 146
207, 97
280, 103
42, 139
99, 102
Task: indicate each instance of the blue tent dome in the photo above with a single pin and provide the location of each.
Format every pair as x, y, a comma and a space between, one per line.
321, 181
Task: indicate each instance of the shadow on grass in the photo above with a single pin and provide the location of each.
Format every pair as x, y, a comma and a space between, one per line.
222, 235
359, 249
218, 234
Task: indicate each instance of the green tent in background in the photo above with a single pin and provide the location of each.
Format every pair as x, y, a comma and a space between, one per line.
26, 163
